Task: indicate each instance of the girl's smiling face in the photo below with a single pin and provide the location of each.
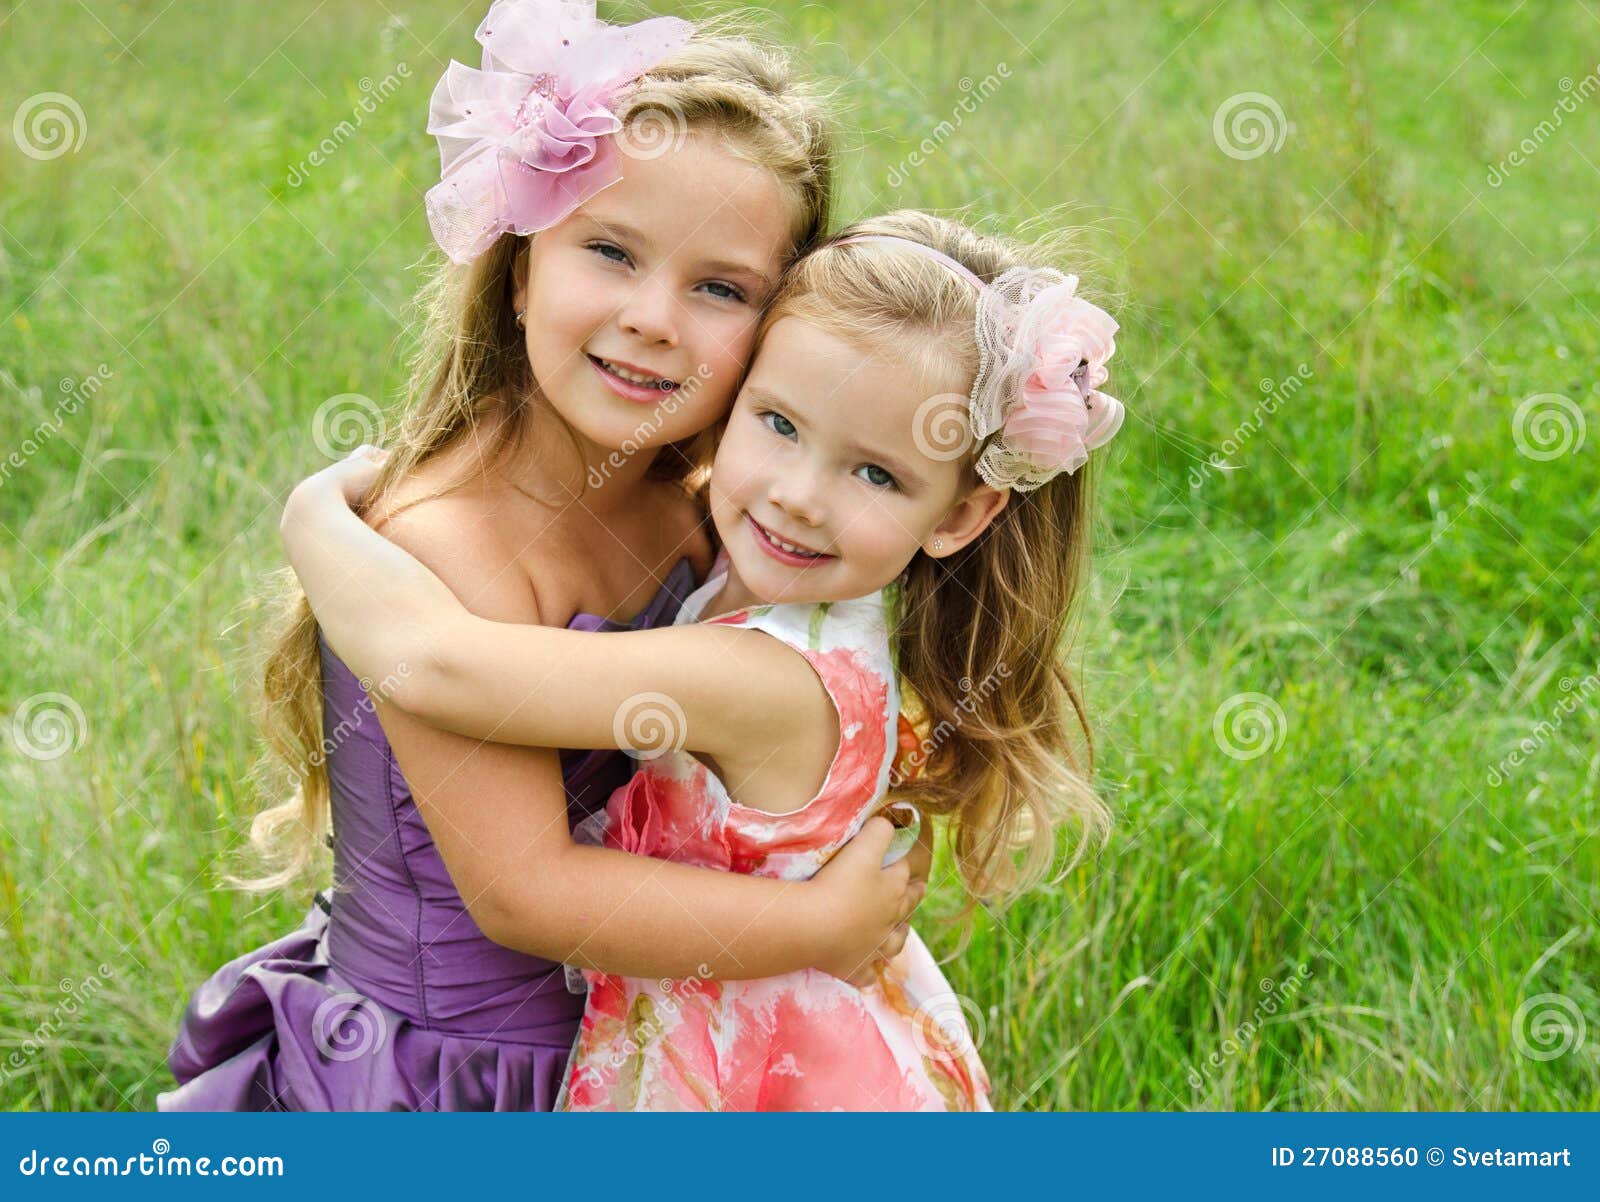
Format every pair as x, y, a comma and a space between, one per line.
822, 488
641, 306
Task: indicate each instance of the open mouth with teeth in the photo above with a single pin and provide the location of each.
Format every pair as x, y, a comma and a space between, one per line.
785, 551
634, 379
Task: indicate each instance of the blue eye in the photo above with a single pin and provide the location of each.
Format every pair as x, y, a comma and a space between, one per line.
609, 252
877, 476
729, 292
778, 424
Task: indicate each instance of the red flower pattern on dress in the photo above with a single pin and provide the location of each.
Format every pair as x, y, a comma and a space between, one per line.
805, 1040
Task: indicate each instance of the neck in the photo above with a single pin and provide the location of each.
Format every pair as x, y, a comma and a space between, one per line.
733, 595
560, 466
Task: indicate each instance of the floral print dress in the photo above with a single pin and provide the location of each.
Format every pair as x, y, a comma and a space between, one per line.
806, 1040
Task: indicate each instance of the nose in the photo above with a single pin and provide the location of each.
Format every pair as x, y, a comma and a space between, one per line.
650, 313
796, 489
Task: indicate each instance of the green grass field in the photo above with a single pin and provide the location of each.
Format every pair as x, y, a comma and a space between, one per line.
1343, 673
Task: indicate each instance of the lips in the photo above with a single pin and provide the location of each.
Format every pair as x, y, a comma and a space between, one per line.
630, 381
785, 551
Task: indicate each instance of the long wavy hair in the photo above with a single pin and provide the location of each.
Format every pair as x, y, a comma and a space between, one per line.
471, 377
981, 636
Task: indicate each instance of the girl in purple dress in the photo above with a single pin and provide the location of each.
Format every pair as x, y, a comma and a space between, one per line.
546, 471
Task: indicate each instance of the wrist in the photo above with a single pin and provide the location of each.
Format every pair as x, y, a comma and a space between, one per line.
822, 921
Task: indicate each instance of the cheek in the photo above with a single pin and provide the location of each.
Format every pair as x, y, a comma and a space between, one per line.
723, 349
883, 532
730, 475
568, 301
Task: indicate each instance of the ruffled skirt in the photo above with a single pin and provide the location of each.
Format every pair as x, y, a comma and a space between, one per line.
280, 1029
802, 1041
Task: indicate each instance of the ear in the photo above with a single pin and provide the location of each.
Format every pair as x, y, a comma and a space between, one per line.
968, 518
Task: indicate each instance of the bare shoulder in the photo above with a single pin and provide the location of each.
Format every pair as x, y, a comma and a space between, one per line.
456, 532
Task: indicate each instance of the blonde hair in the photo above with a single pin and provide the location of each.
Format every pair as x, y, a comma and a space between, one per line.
979, 636
471, 373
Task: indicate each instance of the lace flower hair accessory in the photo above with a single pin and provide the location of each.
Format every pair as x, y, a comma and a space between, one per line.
1042, 358
527, 139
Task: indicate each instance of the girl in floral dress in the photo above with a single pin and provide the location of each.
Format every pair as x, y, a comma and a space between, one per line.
902, 502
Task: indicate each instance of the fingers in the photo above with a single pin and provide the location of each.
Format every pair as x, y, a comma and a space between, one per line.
914, 896
875, 836
863, 976
920, 857
896, 942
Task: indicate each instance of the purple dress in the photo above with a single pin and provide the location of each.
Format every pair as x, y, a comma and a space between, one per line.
391, 998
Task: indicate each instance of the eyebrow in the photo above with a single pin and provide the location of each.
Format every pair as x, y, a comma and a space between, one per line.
622, 230
896, 466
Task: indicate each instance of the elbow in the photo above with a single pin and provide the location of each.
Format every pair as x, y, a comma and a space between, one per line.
514, 918
531, 912
416, 678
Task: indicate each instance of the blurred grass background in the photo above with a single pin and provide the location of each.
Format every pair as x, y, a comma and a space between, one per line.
1320, 900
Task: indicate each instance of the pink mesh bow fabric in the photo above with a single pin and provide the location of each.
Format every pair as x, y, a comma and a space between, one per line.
527, 139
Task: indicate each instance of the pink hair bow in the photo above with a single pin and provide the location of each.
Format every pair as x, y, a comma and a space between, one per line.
526, 140
1044, 352
1042, 358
